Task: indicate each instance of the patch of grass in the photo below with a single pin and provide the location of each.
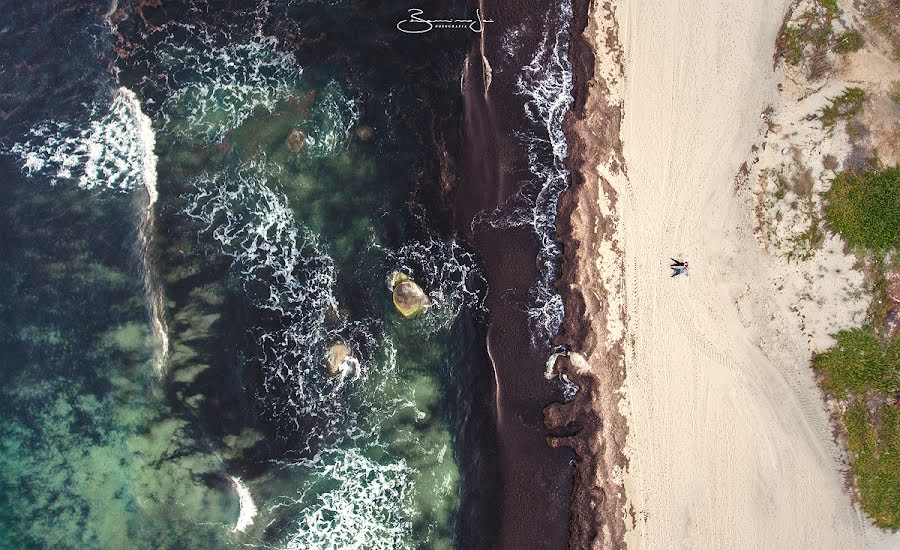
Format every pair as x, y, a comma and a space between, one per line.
865, 208
782, 187
810, 31
844, 106
884, 16
848, 41
873, 440
895, 92
831, 7
804, 245
830, 162
790, 45
878, 308
860, 363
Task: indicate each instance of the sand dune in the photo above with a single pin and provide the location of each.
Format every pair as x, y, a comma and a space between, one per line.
729, 446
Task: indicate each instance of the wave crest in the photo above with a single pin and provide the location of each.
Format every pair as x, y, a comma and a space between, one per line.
546, 83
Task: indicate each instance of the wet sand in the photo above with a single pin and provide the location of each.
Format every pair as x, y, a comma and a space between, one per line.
535, 479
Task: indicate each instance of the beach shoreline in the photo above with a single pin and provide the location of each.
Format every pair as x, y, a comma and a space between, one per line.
698, 422
590, 284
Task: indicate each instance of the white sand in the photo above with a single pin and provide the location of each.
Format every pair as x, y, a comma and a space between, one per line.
729, 444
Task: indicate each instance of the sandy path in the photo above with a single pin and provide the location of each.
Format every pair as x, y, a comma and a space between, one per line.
729, 447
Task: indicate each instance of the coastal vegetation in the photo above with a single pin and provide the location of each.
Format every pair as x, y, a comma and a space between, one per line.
812, 28
874, 440
849, 41
865, 208
843, 107
805, 39
884, 17
862, 371
859, 364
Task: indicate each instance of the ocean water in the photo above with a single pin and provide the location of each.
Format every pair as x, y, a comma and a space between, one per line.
197, 201
175, 270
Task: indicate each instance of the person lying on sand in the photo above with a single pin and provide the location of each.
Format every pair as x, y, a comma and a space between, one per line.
678, 267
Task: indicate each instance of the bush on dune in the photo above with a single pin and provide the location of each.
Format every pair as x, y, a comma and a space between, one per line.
865, 209
874, 444
860, 363
865, 370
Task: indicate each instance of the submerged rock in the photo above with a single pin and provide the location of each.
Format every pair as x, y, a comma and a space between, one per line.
296, 140
364, 133
339, 360
409, 298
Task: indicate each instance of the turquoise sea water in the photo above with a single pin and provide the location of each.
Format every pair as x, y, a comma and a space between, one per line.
174, 274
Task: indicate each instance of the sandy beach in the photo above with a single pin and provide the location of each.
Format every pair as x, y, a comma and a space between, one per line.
728, 443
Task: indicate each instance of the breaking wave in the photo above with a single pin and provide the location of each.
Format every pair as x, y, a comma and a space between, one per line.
289, 279
115, 152
355, 503
247, 507
546, 83
214, 85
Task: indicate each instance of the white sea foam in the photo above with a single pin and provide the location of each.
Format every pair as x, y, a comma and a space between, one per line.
114, 151
213, 85
247, 507
357, 503
546, 83
333, 116
286, 272
448, 273
569, 388
216, 84
254, 225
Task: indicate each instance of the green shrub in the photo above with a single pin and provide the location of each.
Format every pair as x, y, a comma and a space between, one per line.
865, 208
860, 363
790, 45
895, 92
812, 29
865, 371
874, 444
849, 41
843, 106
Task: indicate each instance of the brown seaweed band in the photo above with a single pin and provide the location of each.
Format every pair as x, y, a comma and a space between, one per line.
592, 128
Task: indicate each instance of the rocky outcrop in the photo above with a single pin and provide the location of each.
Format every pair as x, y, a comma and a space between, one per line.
296, 140
409, 298
340, 360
